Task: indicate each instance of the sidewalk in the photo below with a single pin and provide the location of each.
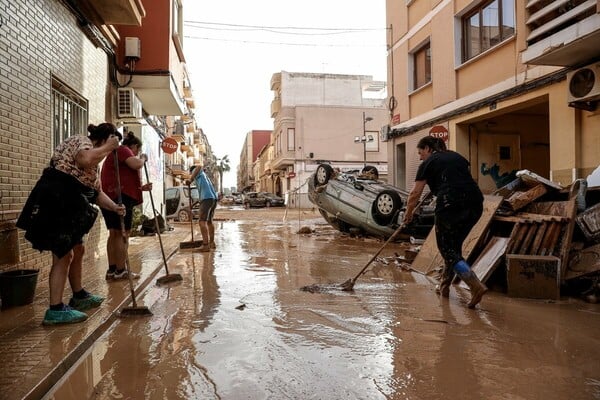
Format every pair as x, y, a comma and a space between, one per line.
29, 365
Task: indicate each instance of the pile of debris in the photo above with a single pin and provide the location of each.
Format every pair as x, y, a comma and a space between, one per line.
535, 239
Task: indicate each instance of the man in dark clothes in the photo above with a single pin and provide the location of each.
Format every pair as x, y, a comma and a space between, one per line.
459, 205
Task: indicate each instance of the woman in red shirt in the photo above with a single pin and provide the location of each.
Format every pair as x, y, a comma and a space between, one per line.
129, 165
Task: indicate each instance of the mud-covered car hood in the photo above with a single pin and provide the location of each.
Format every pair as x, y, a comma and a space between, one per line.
355, 205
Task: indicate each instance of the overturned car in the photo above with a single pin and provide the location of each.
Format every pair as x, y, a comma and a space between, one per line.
359, 203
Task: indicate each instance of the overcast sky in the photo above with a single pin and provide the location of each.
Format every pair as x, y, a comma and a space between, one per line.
233, 47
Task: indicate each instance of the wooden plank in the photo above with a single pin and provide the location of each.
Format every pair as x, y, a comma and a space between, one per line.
529, 217
534, 277
567, 237
567, 209
552, 250
539, 236
520, 199
552, 232
489, 258
513, 234
429, 258
516, 240
529, 238
584, 262
555, 208
541, 217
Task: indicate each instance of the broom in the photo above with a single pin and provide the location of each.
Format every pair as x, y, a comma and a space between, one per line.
168, 277
133, 310
193, 243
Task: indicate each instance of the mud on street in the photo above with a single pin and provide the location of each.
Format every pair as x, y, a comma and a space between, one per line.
238, 327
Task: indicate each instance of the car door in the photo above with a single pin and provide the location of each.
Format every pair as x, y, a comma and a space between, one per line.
172, 197
348, 204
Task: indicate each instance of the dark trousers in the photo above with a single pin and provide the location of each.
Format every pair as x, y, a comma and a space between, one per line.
452, 225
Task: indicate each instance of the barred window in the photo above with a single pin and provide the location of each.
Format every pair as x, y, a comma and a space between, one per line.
69, 113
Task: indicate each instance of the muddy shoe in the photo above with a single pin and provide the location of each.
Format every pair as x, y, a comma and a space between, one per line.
91, 301
204, 249
109, 275
212, 245
65, 316
119, 275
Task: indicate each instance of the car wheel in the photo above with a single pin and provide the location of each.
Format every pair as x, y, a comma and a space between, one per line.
386, 205
183, 216
246, 205
323, 174
268, 204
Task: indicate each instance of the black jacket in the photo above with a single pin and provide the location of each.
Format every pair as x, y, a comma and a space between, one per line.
58, 213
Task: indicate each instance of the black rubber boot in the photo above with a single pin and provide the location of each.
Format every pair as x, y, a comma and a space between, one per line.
443, 288
478, 289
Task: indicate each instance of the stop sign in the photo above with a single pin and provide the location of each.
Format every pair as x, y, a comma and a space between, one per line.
169, 145
439, 132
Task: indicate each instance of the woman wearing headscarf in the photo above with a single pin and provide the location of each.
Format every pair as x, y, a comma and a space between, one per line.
59, 212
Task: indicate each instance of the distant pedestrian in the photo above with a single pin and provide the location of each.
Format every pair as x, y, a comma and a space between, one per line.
58, 213
129, 165
459, 205
208, 203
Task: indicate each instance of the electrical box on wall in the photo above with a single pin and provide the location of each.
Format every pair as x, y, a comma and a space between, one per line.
132, 47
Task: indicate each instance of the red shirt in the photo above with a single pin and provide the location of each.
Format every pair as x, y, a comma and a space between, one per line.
131, 183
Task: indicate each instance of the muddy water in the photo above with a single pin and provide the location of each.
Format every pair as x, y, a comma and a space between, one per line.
238, 327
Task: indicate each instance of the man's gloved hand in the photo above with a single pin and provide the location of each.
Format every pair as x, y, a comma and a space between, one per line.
143, 157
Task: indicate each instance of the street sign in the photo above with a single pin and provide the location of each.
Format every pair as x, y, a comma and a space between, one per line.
439, 132
169, 145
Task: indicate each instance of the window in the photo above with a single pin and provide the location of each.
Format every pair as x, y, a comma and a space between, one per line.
422, 66
505, 153
177, 28
69, 113
486, 26
291, 139
177, 18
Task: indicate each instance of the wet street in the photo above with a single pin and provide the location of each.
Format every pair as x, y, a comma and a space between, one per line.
239, 327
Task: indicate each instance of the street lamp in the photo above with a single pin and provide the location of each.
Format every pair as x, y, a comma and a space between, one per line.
364, 138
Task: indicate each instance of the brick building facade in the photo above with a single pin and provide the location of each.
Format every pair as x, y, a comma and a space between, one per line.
45, 60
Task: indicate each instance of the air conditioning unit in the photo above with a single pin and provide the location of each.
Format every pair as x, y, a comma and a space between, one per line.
385, 133
128, 104
584, 85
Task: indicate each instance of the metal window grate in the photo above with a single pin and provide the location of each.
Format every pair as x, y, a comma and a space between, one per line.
69, 113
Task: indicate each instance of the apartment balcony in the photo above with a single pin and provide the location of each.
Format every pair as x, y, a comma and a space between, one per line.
116, 12
282, 161
275, 107
186, 149
562, 32
158, 93
177, 169
190, 127
276, 81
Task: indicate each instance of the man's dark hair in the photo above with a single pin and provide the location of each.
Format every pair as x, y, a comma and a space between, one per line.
435, 144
